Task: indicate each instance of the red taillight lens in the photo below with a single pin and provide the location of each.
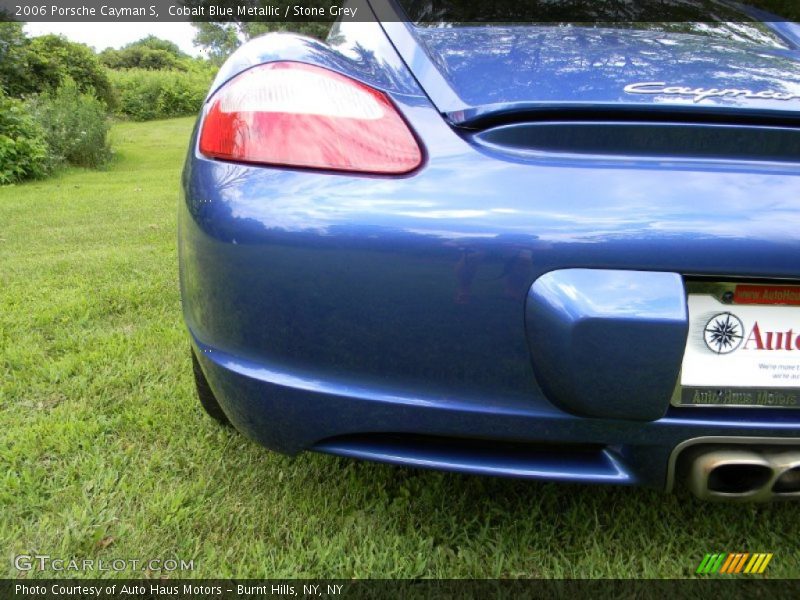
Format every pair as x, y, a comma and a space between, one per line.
299, 115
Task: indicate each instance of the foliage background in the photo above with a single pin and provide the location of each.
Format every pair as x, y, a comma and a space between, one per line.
57, 96
23, 149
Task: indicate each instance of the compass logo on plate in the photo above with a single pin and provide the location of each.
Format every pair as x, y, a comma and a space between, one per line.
723, 333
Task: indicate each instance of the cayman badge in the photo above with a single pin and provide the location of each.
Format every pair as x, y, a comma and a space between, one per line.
699, 94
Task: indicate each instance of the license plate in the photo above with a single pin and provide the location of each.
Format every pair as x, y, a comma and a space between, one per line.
743, 348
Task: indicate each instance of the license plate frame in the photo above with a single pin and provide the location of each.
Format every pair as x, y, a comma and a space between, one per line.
743, 347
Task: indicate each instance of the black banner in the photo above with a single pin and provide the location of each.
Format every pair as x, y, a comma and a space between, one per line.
742, 586
419, 11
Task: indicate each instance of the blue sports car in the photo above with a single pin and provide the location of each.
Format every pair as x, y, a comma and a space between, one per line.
552, 250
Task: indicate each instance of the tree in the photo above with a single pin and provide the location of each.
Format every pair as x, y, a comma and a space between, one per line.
218, 39
221, 39
33, 66
14, 54
149, 53
53, 58
155, 43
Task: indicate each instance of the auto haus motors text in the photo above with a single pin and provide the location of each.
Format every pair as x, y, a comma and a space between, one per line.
771, 340
96, 591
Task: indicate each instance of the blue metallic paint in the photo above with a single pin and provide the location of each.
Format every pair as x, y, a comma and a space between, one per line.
555, 463
471, 73
323, 305
608, 343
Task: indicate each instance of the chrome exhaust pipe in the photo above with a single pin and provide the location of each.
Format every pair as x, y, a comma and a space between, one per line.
731, 474
786, 465
739, 474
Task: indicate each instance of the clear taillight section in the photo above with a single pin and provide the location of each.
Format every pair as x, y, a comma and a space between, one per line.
299, 115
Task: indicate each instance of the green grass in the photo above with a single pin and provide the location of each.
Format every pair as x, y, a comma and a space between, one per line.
105, 453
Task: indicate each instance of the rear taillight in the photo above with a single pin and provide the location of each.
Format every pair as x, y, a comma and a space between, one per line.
299, 115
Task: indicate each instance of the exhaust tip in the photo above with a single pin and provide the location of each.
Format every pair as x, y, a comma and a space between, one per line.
738, 478
730, 474
788, 482
742, 472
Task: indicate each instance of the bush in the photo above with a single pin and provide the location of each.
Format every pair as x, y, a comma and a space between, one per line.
23, 149
148, 53
144, 95
42, 64
140, 58
75, 125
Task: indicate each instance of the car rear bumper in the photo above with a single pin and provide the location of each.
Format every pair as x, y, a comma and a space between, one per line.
290, 411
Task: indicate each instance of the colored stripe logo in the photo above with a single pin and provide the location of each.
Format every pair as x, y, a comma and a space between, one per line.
735, 562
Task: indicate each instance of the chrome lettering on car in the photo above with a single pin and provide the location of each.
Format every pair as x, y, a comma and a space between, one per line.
699, 94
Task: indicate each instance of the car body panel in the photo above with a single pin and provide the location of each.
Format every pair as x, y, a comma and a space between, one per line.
472, 72
325, 305
358, 49
608, 343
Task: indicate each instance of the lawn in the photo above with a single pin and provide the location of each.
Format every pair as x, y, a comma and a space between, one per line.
105, 453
